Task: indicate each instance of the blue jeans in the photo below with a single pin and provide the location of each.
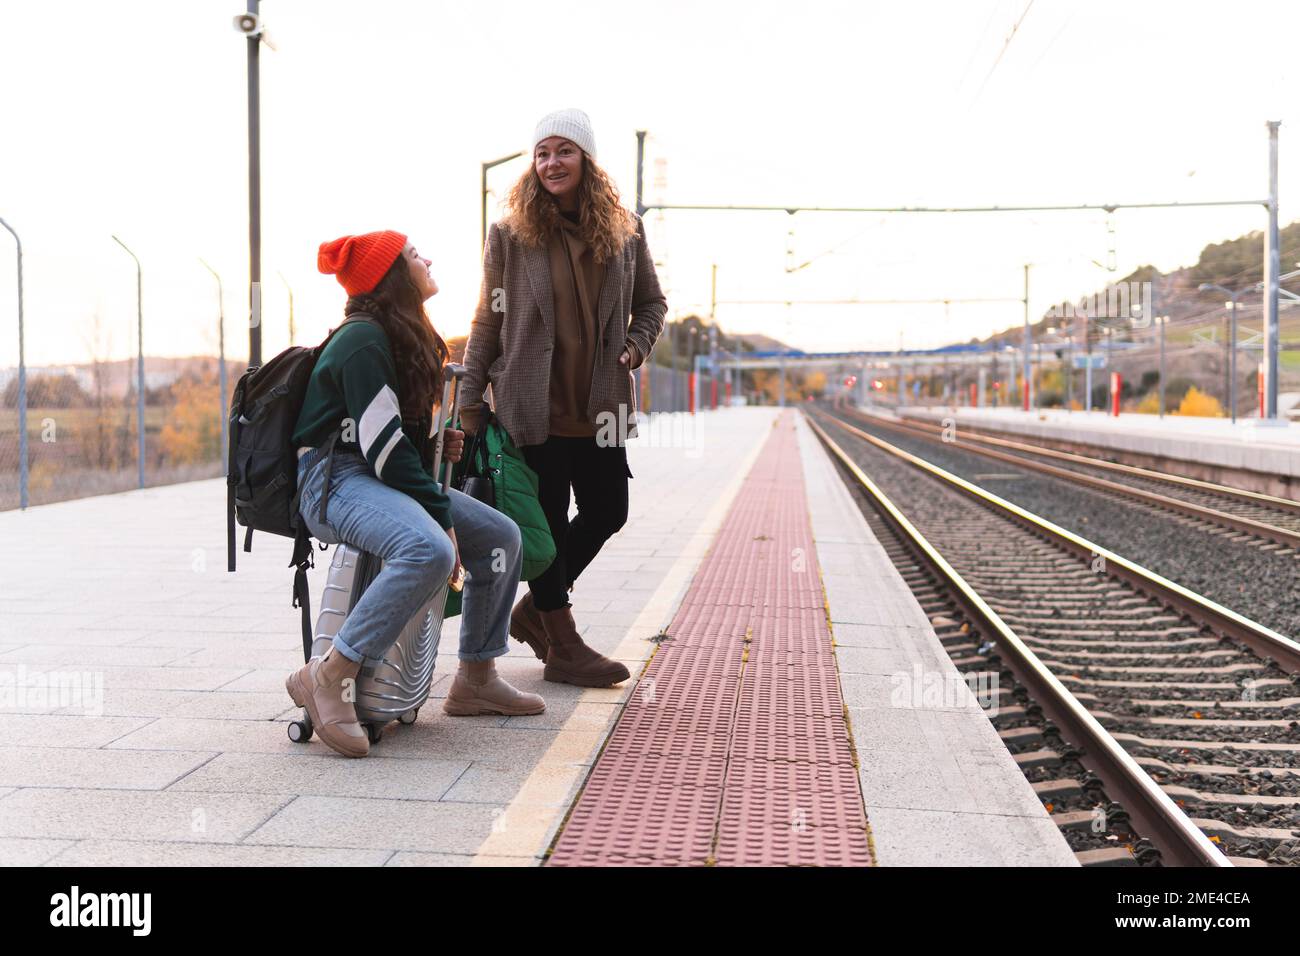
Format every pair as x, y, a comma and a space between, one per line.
417, 553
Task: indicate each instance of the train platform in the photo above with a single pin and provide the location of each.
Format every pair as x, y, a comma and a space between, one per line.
774, 716
1214, 445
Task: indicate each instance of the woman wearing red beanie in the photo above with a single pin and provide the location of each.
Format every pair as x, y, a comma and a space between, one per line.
379, 380
562, 274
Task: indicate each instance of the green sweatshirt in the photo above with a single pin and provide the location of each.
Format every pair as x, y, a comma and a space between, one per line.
355, 379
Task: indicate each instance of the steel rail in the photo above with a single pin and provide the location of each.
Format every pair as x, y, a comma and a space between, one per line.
1154, 813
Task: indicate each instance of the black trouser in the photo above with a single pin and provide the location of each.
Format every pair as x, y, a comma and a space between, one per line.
599, 478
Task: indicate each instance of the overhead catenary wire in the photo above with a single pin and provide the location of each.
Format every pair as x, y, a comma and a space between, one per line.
1002, 52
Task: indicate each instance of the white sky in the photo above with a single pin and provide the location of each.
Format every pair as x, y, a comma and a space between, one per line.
129, 118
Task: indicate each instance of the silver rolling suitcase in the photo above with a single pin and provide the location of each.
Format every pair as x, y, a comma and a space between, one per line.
395, 686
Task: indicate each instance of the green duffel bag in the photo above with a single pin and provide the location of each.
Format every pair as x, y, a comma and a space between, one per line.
505, 482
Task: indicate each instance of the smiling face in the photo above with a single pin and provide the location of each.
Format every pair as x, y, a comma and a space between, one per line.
558, 163
420, 273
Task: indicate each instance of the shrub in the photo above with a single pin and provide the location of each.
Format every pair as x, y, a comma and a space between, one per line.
1150, 404
192, 432
1198, 403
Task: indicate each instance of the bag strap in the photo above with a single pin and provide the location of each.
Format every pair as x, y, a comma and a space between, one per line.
477, 448
230, 526
329, 471
303, 558
231, 471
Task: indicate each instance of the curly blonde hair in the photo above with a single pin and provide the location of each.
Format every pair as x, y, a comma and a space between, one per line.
532, 215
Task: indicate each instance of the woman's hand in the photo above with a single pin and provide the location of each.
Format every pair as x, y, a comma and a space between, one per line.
453, 444
469, 418
631, 356
456, 570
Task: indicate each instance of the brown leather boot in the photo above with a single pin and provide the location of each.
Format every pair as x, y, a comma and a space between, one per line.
479, 689
569, 660
318, 687
526, 625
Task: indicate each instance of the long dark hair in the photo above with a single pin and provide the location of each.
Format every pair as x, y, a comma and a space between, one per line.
418, 350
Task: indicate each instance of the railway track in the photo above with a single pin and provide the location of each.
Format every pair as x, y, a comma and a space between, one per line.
1137, 704
1220, 508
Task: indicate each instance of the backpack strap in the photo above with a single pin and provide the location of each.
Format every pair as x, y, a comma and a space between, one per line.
232, 425
303, 558
329, 471
230, 526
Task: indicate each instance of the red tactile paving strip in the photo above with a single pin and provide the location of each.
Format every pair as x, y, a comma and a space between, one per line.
733, 749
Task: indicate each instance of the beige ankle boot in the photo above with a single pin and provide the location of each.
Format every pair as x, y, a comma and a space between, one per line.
325, 687
479, 689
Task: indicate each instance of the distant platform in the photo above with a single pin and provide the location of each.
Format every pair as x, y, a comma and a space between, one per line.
1213, 448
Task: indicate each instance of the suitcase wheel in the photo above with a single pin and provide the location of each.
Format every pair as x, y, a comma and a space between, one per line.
300, 730
374, 732
409, 717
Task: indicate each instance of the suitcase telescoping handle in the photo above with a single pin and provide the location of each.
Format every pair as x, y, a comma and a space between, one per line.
455, 373
452, 375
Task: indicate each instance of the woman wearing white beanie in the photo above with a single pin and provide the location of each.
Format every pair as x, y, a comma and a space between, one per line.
563, 273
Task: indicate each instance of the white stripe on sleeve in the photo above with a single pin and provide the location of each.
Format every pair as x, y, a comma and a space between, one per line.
383, 408
383, 455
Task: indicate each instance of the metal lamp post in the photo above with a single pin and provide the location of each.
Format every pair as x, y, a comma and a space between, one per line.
22, 379
139, 368
250, 25
483, 188
1028, 373
288, 288
1163, 321
1231, 343
254, 195
221, 369
691, 379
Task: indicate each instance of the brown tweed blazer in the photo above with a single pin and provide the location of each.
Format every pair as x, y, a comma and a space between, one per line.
512, 335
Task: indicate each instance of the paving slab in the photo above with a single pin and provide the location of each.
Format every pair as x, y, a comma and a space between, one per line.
83, 814
169, 854
921, 837
96, 768
420, 825
17, 851
320, 775
53, 731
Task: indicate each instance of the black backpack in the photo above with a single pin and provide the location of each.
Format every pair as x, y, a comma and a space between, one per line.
262, 472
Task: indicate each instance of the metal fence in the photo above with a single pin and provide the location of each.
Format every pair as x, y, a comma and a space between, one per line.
83, 434
662, 390
83, 429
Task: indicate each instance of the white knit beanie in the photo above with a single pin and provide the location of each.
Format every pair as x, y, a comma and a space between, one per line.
573, 125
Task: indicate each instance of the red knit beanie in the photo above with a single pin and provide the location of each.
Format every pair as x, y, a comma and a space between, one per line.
360, 261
